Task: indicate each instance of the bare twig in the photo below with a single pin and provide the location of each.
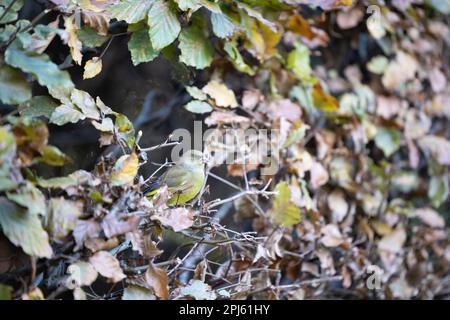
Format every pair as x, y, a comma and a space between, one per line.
179, 264
262, 192
162, 145
165, 164
255, 203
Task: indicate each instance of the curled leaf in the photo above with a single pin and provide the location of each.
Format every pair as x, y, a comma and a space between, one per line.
107, 265
157, 279
125, 170
92, 68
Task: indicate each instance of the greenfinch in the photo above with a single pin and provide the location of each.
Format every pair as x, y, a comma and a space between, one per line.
184, 180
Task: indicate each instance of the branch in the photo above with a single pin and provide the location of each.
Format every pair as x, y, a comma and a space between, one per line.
262, 192
159, 146
228, 183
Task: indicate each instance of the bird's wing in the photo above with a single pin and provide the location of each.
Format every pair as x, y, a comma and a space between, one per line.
177, 179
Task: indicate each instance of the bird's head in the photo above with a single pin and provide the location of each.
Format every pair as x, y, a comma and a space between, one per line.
193, 156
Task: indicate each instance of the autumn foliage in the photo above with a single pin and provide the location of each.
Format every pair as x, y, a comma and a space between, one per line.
357, 207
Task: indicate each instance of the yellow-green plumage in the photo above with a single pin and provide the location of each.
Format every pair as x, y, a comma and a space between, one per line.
185, 179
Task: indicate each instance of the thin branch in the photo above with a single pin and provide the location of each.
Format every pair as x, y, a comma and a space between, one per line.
179, 264
109, 42
159, 146
165, 164
262, 192
255, 203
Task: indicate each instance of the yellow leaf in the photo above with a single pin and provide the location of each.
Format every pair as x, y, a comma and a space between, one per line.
34, 294
96, 6
223, 96
271, 40
125, 170
92, 68
284, 211
73, 42
311, 35
324, 101
261, 40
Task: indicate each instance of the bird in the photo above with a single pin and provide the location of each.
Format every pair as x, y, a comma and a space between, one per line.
184, 180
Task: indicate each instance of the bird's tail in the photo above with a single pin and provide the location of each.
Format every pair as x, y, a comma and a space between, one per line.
151, 188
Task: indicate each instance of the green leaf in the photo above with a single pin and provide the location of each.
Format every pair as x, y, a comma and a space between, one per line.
191, 5
11, 15
261, 41
141, 48
222, 26
5, 292
438, 190
299, 62
72, 180
125, 130
63, 217
14, 88
197, 106
196, 51
131, 11
236, 58
196, 93
304, 97
30, 197
194, 5
283, 211
6, 183
443, 6
90, 38
388, 140
7, 154
378, 64
105, 110
38, 106
164, 25
7, 32
51, 155
106, 125
65, 114
24, 229
257, 15
294, 136
85, 103
7, 147
39, 65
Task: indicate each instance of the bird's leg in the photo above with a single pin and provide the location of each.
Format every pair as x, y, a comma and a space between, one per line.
178, 197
